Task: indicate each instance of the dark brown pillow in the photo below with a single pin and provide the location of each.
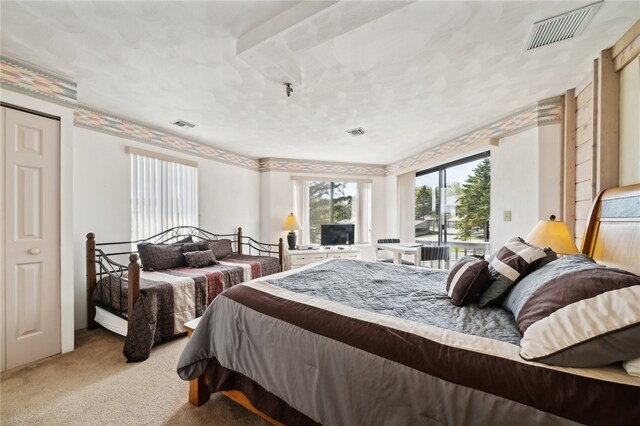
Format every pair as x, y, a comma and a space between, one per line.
507, 266
156, 257
221, 248
198, 259
197, 246
187, 239
467, 279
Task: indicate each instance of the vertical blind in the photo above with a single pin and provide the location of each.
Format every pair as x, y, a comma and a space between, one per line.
407, 207
164, 194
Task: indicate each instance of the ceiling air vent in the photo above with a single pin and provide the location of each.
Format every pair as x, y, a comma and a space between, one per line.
561, 27
183, 124
356, 132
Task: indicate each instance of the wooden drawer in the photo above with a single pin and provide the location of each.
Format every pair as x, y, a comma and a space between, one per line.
306, 258
344, 255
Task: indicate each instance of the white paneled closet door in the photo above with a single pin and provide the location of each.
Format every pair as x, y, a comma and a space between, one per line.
31, 237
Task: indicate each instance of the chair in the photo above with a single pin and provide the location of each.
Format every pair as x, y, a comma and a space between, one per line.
391, 241
433, 253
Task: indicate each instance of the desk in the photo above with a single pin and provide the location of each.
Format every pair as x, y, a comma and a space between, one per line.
399, 250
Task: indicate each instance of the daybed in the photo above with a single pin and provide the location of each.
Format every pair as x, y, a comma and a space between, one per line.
151, 305
352, 342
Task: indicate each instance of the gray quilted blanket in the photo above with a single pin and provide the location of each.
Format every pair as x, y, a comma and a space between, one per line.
408, 293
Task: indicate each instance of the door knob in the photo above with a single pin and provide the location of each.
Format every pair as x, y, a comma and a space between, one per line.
34, 251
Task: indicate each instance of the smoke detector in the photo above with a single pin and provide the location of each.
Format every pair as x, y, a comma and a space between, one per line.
183, 124
562, 27
356, 132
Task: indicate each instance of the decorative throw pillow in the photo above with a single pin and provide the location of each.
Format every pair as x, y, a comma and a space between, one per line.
582, 316
187, 239
156, 257
534, 282
221, 248
197, 246
512, 262
467, 278
632, 367
198, 259
550, 257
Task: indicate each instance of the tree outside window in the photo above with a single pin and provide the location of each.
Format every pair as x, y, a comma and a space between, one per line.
474, 202
329, 202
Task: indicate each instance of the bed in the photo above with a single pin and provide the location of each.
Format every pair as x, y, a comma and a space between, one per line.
352, 342
149, 306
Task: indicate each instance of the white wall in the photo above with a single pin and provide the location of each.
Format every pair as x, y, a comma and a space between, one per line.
277, 202
514, 186
228, 197
550, 172
526, 171
630, 123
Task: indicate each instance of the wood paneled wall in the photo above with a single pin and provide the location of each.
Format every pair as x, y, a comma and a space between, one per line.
594, 141
591, 132
584, 162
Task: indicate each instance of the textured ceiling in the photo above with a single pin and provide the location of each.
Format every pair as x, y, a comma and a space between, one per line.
412, 74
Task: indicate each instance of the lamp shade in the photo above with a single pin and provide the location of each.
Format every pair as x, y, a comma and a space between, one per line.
553, 234
291, 223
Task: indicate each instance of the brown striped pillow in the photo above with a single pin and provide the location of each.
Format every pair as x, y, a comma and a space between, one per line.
467, 279
585, 318
509, 264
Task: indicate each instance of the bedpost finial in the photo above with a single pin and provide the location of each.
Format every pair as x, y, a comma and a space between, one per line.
133, 258
239, 228
91, 236
280, 240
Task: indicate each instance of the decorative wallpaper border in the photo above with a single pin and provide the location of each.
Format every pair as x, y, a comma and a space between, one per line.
25, 78
548, 111
288, 165
107, 123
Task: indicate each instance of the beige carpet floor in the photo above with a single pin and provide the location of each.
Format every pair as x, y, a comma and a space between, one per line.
94, 386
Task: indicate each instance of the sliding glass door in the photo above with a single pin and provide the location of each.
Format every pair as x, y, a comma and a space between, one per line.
452, 204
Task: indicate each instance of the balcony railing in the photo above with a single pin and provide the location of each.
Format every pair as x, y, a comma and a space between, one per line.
457, 249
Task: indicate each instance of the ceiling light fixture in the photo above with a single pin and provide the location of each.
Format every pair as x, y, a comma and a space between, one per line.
183, 124
356, 132
289, 88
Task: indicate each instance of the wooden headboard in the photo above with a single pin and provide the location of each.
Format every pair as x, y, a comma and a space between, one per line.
612, 236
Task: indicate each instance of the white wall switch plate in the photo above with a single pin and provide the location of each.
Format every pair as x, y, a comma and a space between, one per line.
507, 215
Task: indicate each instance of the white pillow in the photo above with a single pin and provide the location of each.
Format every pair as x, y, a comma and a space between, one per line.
632, 367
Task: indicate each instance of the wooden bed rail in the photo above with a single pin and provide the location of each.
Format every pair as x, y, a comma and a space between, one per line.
91, 280
133, 275
133, 283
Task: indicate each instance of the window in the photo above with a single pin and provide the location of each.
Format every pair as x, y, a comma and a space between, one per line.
164, 193
453, 201
318, 202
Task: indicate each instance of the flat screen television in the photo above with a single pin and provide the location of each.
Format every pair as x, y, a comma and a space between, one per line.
337, 234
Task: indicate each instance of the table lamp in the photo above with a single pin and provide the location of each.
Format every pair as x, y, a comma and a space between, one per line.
554, 234
291, 224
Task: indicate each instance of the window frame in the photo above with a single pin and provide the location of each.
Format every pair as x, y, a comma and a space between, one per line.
440, 169
335, 179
